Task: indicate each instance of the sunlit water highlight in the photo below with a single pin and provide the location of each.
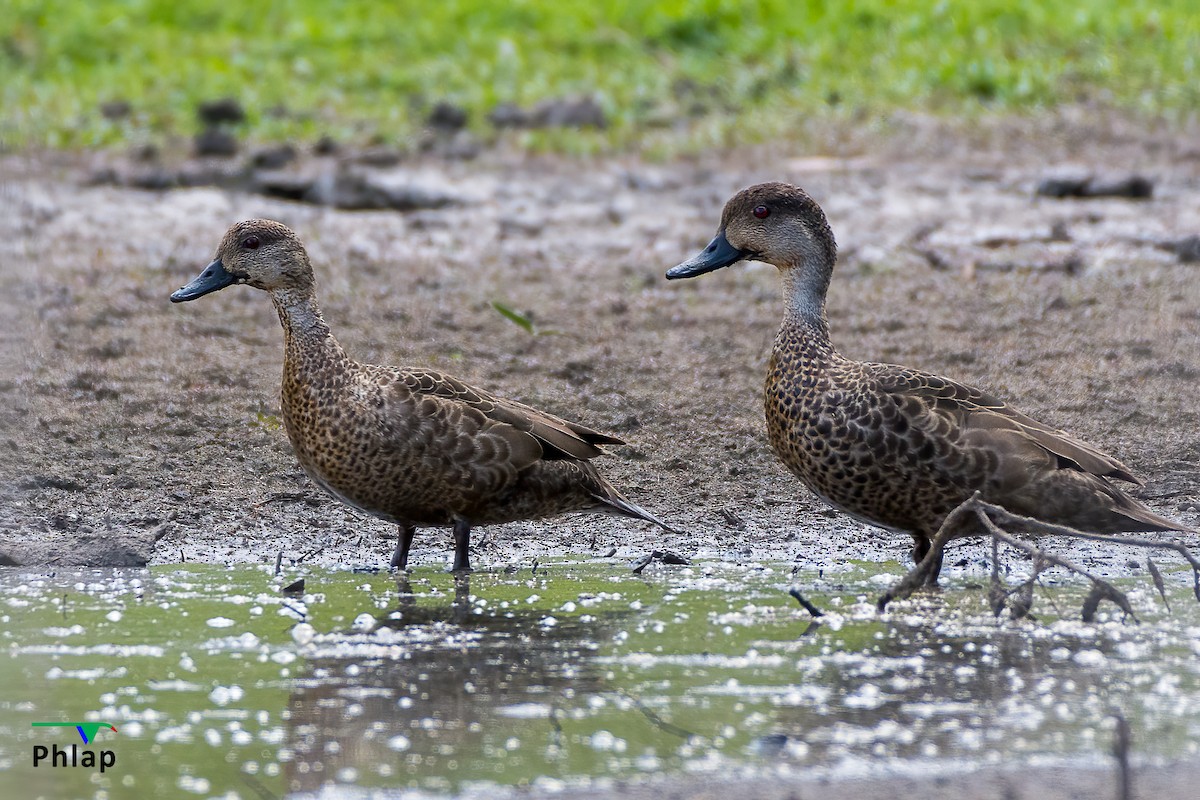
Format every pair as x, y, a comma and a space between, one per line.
221, 685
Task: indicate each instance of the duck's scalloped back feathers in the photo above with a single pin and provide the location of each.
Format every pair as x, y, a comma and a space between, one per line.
975, 408
891, 445
412, 446
559, 438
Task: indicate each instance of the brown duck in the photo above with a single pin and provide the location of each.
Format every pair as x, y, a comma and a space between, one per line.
411, 446
890, 445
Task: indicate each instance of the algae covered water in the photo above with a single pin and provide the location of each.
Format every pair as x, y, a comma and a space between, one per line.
219, 683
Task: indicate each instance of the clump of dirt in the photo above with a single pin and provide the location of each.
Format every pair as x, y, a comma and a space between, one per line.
126, 419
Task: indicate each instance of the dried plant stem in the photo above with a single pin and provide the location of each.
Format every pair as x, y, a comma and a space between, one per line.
991, 517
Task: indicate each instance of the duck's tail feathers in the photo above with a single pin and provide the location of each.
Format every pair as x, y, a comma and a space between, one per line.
1136, 517
614, 503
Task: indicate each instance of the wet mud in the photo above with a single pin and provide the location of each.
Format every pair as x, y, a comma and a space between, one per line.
135, 431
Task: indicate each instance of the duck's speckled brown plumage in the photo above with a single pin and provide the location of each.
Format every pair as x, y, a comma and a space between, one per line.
890, 445
411, 446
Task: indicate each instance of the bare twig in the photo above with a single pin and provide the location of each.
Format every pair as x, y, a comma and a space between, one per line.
314, 552
804, 602
997, 594
813, 626
1121, 743
665, 556
915, 578
1156, 576
281, 497
1133, 541
1101, 589
656, 720
990, 517
259, 789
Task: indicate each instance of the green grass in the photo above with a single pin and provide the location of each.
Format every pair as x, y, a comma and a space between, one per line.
706, 71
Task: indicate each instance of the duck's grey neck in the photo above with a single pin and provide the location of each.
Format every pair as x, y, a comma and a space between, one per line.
804, 308
304, 329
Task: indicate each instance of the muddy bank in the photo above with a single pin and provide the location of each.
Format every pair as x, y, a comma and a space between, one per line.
128, 420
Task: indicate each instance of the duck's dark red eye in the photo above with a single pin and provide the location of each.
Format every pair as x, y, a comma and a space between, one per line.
762, 212
251, 243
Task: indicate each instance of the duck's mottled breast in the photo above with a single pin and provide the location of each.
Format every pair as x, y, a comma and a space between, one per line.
849, 440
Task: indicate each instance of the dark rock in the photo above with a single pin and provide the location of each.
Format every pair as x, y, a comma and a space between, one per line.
110, 551
428, 220
116, 109
357, 191
283, 184
153, 180
1188, 249
80, 548
665, 556
521, 226
273, 157
1135, 187
50, 482
219, 112
1062, 187
448, 116
105, 176
461, 146
145, 152
403, 194
379, 157
509, 115
208, 175
215, 142
326, 146
581, 112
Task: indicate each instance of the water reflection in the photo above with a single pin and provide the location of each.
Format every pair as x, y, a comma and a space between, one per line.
583, 673
471, 691
927, 688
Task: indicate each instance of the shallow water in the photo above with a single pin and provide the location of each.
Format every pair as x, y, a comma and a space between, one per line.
220, 684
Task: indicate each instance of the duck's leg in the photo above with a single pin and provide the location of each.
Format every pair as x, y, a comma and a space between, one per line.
400, 556
921, 547
462, 543
931, 579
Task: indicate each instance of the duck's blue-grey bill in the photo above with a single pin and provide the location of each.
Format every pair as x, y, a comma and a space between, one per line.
213, 278
719, 253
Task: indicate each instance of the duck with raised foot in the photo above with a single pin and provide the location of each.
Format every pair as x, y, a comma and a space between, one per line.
411, 446
889, 445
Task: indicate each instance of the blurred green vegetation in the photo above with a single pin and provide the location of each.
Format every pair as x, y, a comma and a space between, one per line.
710, 72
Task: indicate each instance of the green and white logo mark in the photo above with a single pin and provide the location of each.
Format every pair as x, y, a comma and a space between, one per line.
87, 730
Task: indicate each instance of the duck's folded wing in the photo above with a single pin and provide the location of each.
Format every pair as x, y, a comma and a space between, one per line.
558, 438
982, 415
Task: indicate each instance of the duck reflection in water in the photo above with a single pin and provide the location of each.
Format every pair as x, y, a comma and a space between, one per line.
446, 689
